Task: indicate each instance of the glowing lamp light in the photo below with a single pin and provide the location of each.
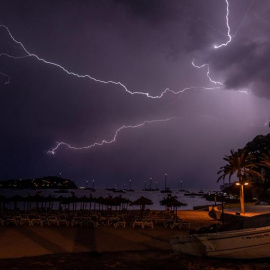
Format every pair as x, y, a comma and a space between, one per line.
239, 184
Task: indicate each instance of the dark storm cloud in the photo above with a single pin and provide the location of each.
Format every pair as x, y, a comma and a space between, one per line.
244, 63
246, 66
148, 46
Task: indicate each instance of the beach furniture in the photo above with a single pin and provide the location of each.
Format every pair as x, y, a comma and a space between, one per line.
62, 220
52, 220
11, 220
93, 221
138, 222
24, 219
120, 222
86, 221
103, 220
148, 223
76, 221
35, 220
112, 220
178, 223
44, 219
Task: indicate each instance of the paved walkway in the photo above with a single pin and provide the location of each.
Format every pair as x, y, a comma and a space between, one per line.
250, 210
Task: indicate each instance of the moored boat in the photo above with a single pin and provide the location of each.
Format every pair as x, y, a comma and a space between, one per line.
248, 239
189, 245
239, 244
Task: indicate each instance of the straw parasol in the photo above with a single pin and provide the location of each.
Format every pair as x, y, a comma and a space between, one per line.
171, 201
142, 202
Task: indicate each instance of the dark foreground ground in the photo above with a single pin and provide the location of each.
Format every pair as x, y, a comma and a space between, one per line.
128, 260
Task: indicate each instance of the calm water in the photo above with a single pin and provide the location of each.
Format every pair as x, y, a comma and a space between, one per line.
155, 196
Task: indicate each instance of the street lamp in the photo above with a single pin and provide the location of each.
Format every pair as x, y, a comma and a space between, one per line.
242, 198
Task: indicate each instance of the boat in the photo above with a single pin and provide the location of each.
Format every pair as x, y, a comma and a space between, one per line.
189, 245
246, 239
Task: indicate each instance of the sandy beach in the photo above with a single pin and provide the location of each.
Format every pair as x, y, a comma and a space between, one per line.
35, 247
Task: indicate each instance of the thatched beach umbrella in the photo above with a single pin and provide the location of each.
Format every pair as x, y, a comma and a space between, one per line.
66, 201
50, 200
112, 201
15, 199
3, 200
123, 201
142, 202
37, 198
91, 200
171, 201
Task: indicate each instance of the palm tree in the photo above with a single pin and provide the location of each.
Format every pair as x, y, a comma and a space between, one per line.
244, 165
265, 164
265, 160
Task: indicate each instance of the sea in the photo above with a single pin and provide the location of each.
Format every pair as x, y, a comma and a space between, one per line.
154, 196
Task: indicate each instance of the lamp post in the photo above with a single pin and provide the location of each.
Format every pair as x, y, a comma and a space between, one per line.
242, 198
130, 184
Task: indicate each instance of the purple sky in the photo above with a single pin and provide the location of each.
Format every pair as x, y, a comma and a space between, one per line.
148, 46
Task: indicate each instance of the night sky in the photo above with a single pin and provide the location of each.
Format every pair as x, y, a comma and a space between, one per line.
148, 46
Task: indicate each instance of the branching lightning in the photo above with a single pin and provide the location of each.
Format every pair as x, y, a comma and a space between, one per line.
217, 85
207, 73
243, 20
105, 141
29, 54
228, 29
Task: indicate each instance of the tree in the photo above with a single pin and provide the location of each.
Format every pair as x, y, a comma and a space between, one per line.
265, 160
243, 165
259, 147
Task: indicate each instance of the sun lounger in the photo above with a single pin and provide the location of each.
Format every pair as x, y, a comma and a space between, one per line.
121, 222
11, 220
35, 220
62, 220
76, 221
148, 223
24, 220
138, 223
52, 220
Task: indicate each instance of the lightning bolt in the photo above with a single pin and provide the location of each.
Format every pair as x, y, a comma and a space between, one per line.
228, 28
53, 151
243, 20
167, 90
29, 54
207, 73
